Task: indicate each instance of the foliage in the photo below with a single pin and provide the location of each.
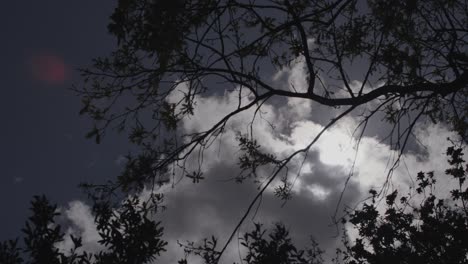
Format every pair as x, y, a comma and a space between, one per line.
415, 229
127, 234
276, 248
412, 61
413, 65
402, 61
9, 252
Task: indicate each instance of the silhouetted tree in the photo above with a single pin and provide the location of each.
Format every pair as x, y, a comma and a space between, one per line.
410, 55
127, 234
416, 228
412, 62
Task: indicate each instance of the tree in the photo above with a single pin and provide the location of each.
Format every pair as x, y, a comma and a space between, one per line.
414, 61
127, 233
416, 228
419, 229
411, 55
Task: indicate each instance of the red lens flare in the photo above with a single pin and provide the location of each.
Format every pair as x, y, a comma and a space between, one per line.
49, 68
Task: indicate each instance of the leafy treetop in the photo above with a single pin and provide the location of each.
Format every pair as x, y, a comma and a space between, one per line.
411, 64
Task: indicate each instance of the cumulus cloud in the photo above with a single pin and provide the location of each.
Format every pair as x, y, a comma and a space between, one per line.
282, 129
215, 205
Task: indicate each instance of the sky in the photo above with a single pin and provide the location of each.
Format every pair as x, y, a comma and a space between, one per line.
42, 137
44, 150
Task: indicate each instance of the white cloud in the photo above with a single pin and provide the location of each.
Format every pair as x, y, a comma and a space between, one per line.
214, 206
283, 129
319, 192
298, 108
82, 225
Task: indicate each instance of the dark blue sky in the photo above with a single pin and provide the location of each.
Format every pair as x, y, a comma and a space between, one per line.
43, 150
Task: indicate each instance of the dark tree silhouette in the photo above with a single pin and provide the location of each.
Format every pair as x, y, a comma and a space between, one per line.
411, 55
411, 66
415, 228
127, 233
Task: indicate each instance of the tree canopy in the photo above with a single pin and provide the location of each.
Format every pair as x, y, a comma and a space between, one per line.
403, 61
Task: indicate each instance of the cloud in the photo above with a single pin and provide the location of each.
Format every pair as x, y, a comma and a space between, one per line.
81, 225
215, 205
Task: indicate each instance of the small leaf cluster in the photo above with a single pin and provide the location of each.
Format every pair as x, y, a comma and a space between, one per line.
252, 157
276, 247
